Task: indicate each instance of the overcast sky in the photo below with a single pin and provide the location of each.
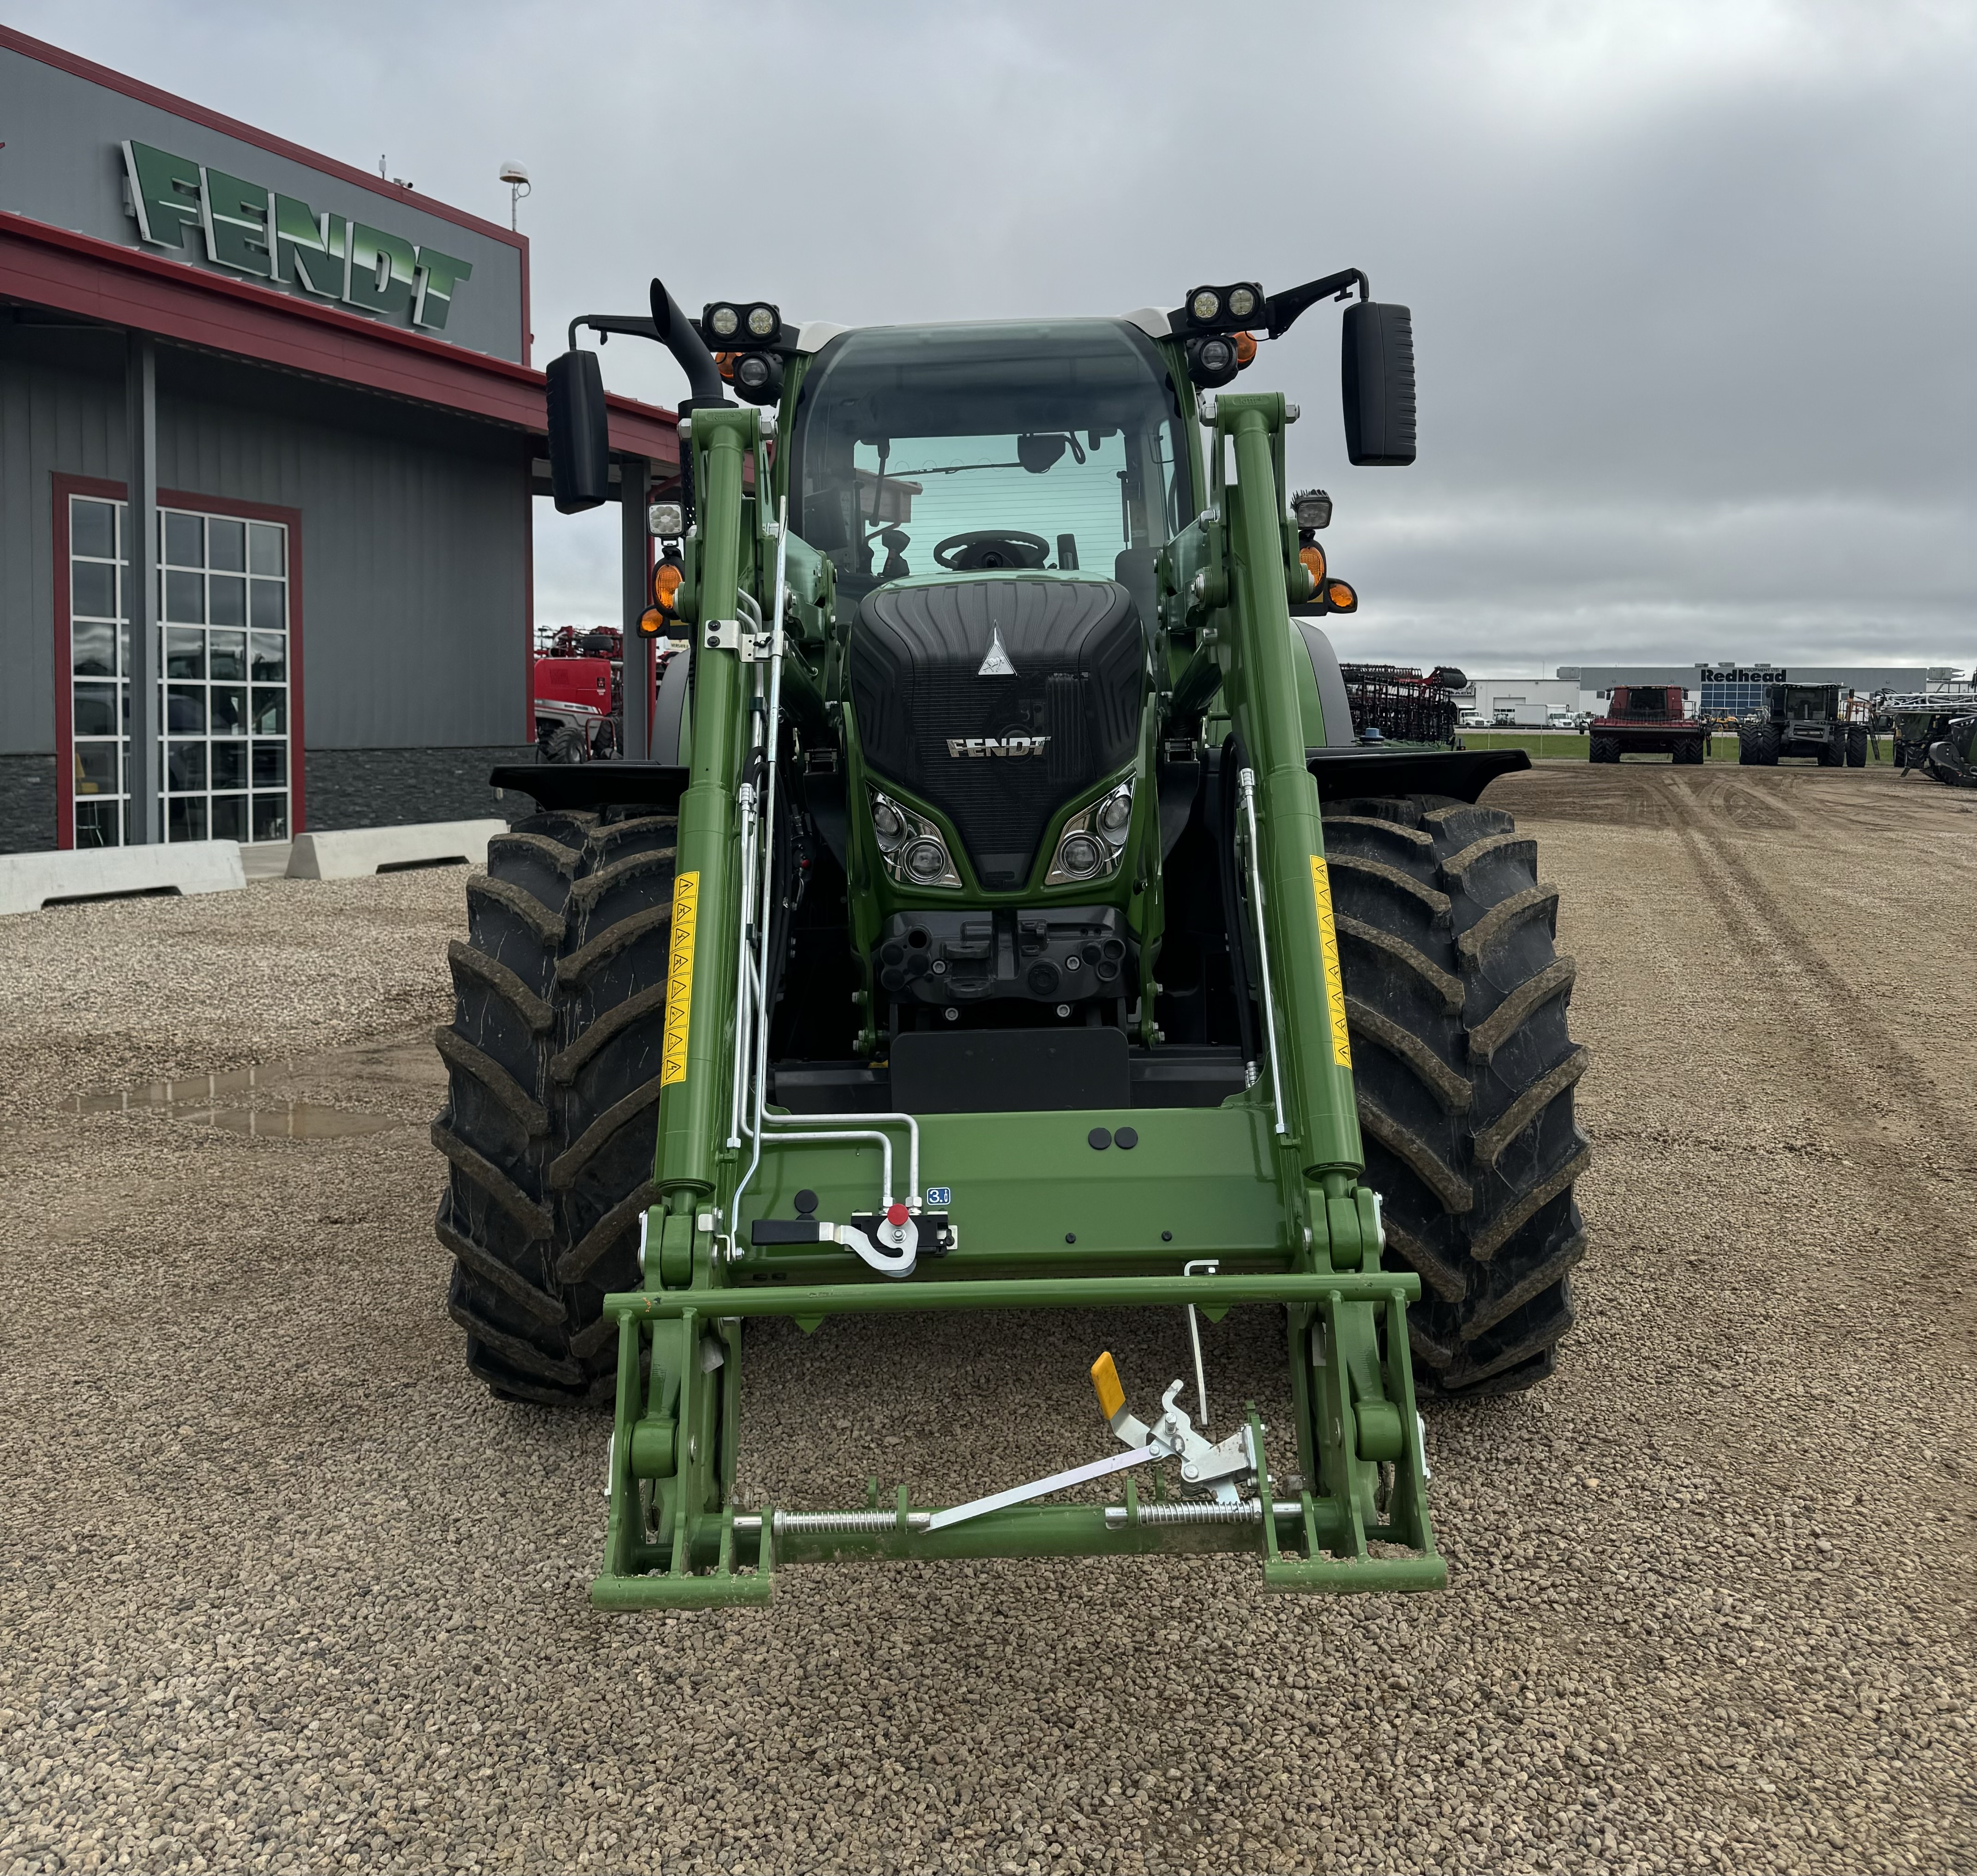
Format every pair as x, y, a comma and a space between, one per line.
1693, 289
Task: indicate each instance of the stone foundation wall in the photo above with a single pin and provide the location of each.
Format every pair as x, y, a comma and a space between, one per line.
394, 787
27, 804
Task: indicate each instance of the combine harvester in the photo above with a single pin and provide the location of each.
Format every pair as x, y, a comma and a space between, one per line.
1025, 928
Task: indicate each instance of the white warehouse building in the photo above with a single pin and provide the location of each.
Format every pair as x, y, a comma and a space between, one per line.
1528, 703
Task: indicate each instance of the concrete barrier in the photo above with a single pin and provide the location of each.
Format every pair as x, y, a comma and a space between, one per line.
350, 853
29, 881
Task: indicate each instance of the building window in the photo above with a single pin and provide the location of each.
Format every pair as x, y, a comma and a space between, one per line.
223, 673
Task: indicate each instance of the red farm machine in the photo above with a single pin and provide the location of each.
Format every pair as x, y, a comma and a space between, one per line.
1647, 719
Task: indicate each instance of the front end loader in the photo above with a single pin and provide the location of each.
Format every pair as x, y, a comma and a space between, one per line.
1021, 926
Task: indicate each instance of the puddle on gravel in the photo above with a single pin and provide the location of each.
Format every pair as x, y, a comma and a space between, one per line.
205, 1098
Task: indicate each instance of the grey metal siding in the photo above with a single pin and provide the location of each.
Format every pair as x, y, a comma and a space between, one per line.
414, 534
58, 411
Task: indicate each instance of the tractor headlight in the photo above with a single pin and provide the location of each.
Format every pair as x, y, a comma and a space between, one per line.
911, 847
1206, 305
758, 376
1212, 361
1242, 302
762, 322
1079, 856
724, 321
1094, 841
924, 860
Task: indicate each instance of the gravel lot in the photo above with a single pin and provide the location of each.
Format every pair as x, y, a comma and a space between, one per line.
280, 1589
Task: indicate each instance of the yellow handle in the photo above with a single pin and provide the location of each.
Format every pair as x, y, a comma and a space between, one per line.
1105, 1379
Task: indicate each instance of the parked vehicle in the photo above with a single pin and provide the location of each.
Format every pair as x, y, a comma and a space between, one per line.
1646, 719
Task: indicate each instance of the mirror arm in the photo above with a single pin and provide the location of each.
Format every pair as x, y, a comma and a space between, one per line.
1283, 308
606, 323
668, 326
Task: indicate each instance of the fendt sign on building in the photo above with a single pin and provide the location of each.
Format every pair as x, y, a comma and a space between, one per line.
111, 158
251, 230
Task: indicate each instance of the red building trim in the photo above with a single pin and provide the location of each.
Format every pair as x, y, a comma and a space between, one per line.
91, 486
44, 265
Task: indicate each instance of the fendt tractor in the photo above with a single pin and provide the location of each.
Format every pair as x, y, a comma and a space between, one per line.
1020, 926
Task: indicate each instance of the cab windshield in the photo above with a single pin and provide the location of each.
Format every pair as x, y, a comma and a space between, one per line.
963, 448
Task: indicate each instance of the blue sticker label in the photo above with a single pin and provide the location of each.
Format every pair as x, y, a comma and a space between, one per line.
940, 1195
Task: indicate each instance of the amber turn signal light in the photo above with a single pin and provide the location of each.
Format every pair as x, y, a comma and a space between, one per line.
1340, 598
667, 578
1313, 558
1245, 349
651, 623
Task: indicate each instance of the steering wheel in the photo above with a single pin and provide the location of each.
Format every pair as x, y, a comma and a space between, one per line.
986, 547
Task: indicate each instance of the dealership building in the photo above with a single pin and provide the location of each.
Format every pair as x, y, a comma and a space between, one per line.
316, 383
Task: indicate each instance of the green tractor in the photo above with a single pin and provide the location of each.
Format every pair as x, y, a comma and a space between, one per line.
1020, 926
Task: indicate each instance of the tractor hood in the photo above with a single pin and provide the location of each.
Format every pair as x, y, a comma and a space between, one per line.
996, 699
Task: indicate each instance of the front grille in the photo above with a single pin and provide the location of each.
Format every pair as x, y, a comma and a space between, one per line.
1079, 659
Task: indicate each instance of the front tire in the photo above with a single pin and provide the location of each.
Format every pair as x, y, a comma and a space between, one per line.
1856, 748
1602, 749
552, 1061
1456, 1000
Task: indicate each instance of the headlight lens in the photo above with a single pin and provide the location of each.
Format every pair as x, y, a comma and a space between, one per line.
1242, 302
753, 372
1115, 815
1207, 304
926, 859
887, 825
1080, 855
762, 322
724, 321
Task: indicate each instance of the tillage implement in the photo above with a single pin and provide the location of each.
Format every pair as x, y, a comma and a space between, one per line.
1017, 924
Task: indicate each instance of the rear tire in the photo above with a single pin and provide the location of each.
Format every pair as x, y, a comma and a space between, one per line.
1456, 1000
552, 1062
1602, 749
1768, 741
1856, 748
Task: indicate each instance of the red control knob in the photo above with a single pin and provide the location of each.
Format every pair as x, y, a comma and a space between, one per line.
895, 1215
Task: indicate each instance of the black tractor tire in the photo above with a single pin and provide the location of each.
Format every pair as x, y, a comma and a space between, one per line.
1833, 753
1602, 749
1748, 756
565, 743
1456, 1001
552, 1078
1689, 750
1898, 753
1856, 748
1768, 744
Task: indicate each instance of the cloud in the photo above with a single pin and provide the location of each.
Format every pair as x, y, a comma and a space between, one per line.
1692, 282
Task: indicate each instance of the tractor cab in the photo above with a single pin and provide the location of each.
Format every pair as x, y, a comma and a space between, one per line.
939, 452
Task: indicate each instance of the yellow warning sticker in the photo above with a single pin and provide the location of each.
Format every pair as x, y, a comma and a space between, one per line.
1328, 944
679, 979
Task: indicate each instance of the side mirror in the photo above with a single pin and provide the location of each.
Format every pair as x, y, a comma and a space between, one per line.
1377, 382
579, 433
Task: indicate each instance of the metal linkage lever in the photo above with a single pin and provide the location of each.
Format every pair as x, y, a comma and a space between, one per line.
1172, 1436
1218, 1467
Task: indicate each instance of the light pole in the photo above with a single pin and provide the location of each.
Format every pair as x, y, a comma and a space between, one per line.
517, 180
